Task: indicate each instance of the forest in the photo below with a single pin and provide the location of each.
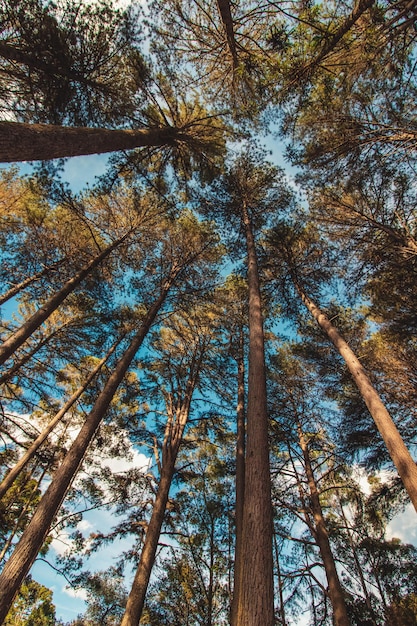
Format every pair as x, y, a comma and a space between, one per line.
208, 383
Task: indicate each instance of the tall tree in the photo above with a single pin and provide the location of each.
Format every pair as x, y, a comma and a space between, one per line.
182, 255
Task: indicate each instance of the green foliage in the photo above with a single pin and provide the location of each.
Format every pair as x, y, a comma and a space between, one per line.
32, 607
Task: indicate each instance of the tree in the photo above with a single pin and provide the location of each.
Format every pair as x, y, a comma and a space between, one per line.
251, 189
183, 346
199, 242
397, 449
33, 606
70, 63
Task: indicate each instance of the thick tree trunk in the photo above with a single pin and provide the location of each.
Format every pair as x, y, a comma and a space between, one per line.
256, 593
33, 142
226, 16
19, 337
336, 595
240, 477
33, 537
397, 449
34, 447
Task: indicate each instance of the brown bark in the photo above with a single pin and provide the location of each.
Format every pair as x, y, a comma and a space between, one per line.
240, 477
335, 591
331, 43
397, 449
33, 142
13, 291
172, 440
33, 537
33, 448
226, 15
19, 337
256, 592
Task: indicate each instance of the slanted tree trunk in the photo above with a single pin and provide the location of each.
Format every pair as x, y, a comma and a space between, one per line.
335, 591
397, 449
19, 337
13, 291
34, 447
331, 42
33, 537
240, 477
33, 142
256, 590
172, 440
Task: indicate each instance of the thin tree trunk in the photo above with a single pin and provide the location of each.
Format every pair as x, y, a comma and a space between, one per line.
335, 591
240, 477
172, 440
256, 592
32, 539
136, 600
19, 337
31, 451
13, 291
4, 378
397, 449
26, 506
33, 142
331, 43
358, 567
280, 584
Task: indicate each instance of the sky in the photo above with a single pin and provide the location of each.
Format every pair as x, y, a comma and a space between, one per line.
79, 173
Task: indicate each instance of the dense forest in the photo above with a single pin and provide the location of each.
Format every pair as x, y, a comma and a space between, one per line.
248, 335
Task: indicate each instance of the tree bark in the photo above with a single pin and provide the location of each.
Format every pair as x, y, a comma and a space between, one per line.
13, 291
226, 16
336, 595
172, 440
34, 447
136, 600
397, 449
19, 337
256, 592
240, 477
33, 537
33, 142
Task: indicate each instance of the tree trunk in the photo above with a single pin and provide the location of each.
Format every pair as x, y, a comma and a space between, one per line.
172, 440
33, 537
240, 477
13, 291
31, 451
397, 449
136, 600
227, 20
256, 592
336, 595
33, 142
19, 337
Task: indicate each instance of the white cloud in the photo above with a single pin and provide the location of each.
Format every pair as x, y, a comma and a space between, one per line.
138, 461
403, 526
75, 593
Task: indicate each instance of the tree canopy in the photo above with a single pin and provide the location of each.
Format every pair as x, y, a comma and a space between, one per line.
239, 340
